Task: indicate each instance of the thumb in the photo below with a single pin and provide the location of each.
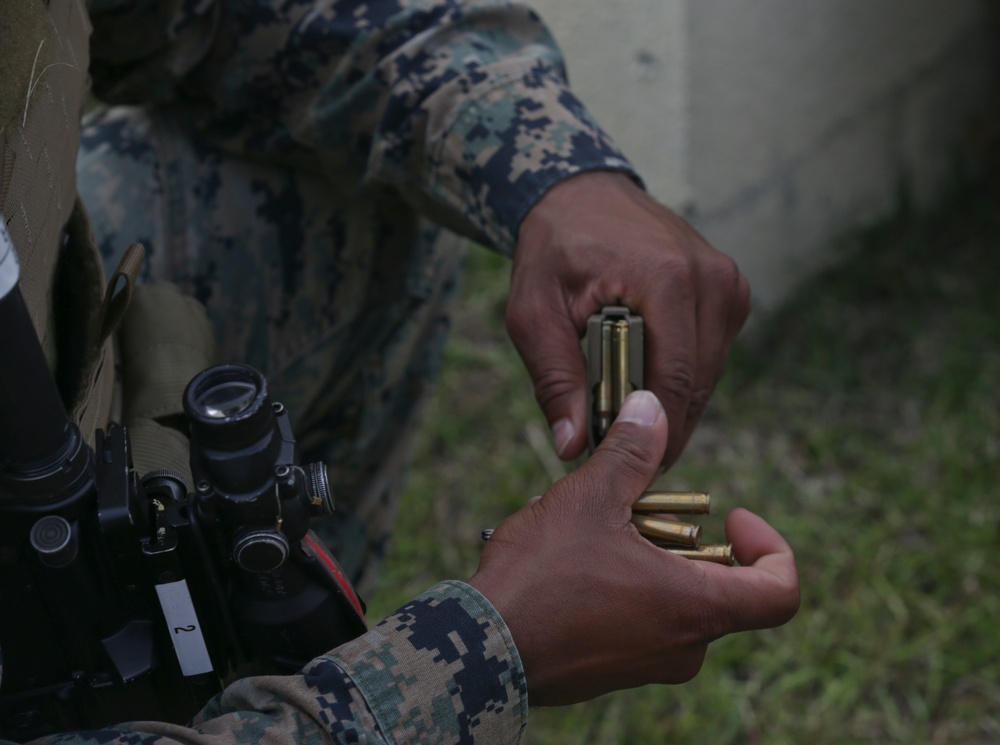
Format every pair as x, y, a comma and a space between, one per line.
628, 458
550, 348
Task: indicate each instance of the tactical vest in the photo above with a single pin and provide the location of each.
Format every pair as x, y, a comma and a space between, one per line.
43, 86
262, 592
165, 338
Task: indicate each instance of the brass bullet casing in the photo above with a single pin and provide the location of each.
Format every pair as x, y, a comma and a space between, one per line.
670, 532
673, 502
621, 384
716, 553
602, 411
614, 365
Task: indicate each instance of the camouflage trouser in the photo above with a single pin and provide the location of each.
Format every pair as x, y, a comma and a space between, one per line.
301, 280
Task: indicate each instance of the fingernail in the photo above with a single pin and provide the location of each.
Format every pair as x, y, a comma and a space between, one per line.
640, 407
562, 432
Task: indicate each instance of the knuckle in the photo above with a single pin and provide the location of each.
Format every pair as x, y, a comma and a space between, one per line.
789, 605
740, 305
728, 283
718, 621
743, 296
739, 301
553, 384
705, 616
724, 270
680, 275
697, 403
678, 380
627, 457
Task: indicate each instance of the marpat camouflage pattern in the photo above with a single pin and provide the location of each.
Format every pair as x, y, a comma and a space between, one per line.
441, 669
289, 164
286, 163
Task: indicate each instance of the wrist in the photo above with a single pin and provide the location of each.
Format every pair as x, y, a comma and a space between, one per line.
576, 193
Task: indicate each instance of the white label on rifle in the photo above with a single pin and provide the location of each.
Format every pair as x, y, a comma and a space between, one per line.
184, 628
8, 260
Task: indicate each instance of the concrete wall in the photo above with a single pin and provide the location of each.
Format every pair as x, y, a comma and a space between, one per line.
777, 125
629, 62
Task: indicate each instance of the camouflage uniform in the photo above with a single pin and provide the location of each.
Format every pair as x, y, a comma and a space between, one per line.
443, 668
289, 165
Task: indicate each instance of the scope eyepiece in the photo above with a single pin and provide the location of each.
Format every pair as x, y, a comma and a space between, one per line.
226, 399
228, 405
235, 437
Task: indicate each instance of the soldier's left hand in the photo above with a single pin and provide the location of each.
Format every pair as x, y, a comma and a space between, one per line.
598, 239
594, 607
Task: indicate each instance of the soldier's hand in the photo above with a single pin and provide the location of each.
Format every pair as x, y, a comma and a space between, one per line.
597, 239
594, 607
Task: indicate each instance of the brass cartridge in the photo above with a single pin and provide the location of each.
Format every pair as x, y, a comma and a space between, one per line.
603, 409
676, 502
621, 382
673, 532
614, 365
716, 553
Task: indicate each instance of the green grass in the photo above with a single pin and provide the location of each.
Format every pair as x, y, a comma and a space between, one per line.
863, 420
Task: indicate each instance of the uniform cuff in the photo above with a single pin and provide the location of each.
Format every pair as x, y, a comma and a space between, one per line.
507, 144
441, 668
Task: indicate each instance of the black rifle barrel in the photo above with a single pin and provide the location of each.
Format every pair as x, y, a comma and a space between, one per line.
34, 427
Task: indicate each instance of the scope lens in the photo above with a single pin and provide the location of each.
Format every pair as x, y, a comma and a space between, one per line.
225, 394
226, 399
235, 438
228, 408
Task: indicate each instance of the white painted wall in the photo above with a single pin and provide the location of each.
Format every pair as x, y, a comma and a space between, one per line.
628, 61
778, 125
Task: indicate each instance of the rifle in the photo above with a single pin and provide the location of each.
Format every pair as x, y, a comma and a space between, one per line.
126, 598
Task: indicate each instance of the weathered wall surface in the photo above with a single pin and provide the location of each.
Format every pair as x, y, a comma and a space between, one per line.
777, 125
628, 61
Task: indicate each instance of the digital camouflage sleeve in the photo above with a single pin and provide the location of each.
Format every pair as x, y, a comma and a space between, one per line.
460, 105
441, 669
290, 164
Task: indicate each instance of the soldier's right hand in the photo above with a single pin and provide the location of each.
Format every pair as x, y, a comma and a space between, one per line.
593, 606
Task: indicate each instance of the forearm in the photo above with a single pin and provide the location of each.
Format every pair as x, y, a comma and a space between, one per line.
479, 121
461, 106
443, 668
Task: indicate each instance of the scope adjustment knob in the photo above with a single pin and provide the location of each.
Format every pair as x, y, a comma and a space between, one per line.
259, 551
55, 541
318, 490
